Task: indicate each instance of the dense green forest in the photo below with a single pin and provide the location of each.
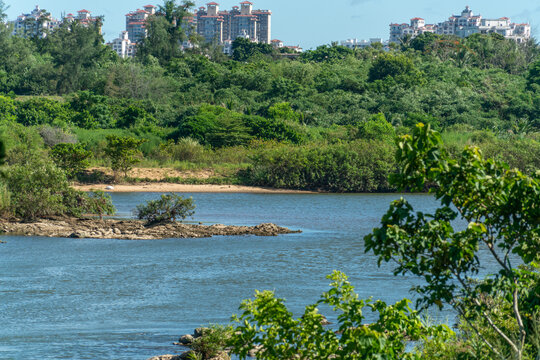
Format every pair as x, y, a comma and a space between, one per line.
325, 119
328, 120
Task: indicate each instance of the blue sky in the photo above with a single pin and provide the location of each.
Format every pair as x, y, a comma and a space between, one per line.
311, 23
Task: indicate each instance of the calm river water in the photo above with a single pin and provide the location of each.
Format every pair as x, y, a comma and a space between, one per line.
118, 299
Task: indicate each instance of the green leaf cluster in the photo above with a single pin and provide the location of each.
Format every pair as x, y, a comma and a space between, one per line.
244, 49
123, 152
37, 188
268, 326
220, 127
166, 209
99, 203
360, 166
500, 206
72, 158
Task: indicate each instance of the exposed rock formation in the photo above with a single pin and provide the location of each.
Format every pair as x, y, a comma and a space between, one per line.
132, 229
167, 357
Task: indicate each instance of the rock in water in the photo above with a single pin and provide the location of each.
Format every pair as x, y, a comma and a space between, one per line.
167, 357
198, 332
324, 321
188, 355
186, 340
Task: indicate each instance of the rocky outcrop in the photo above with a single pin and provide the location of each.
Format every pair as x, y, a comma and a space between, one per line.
132, 229
167, 357
188, 339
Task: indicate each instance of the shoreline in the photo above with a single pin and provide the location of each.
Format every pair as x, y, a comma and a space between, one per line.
186, 188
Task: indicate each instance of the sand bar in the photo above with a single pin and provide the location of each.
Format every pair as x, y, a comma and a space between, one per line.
183, 188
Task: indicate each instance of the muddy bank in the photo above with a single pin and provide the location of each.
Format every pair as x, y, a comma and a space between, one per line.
132, 229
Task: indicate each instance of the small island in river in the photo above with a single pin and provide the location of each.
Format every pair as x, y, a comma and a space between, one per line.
132, 229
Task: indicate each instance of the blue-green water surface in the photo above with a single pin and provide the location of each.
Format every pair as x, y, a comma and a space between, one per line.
119, 299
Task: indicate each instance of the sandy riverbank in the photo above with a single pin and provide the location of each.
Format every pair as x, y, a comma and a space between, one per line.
183, 188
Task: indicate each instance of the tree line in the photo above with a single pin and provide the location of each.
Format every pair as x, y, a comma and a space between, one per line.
241, 114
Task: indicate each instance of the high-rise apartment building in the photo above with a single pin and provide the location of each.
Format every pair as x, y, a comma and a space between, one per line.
242, 21
210, 23
136, 22
135, 32
36, 23
123, 46
264, 25
39, 21
463, 25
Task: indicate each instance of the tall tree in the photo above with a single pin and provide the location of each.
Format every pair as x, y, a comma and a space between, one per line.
77, 51
243, 49
501, 209
3, 8
167, 30
18, 62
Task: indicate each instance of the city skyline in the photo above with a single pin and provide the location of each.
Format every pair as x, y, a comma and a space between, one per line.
306, 23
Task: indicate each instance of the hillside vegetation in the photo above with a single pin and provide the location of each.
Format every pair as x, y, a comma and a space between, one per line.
325, 120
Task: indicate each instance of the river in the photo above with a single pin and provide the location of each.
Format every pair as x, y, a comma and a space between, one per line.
119, 299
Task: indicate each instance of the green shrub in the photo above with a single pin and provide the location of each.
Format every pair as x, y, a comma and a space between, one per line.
217, 127
5, 201
72, 158
22, 143
377, 128
74, 203
123, 152
361, 166
244, 49
284, 111
391, 65
134, 116
212, 342
38, 111
327, 53
39, 188
185, 149
85, 120
522, 154
273, 129
395, 69
100, 203
94, 109
166, 209
7, 109
267, 324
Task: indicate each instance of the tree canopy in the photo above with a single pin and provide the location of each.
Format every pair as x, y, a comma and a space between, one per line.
166, 31
501, 209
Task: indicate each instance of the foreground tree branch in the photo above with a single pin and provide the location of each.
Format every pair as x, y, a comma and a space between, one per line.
501, 208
